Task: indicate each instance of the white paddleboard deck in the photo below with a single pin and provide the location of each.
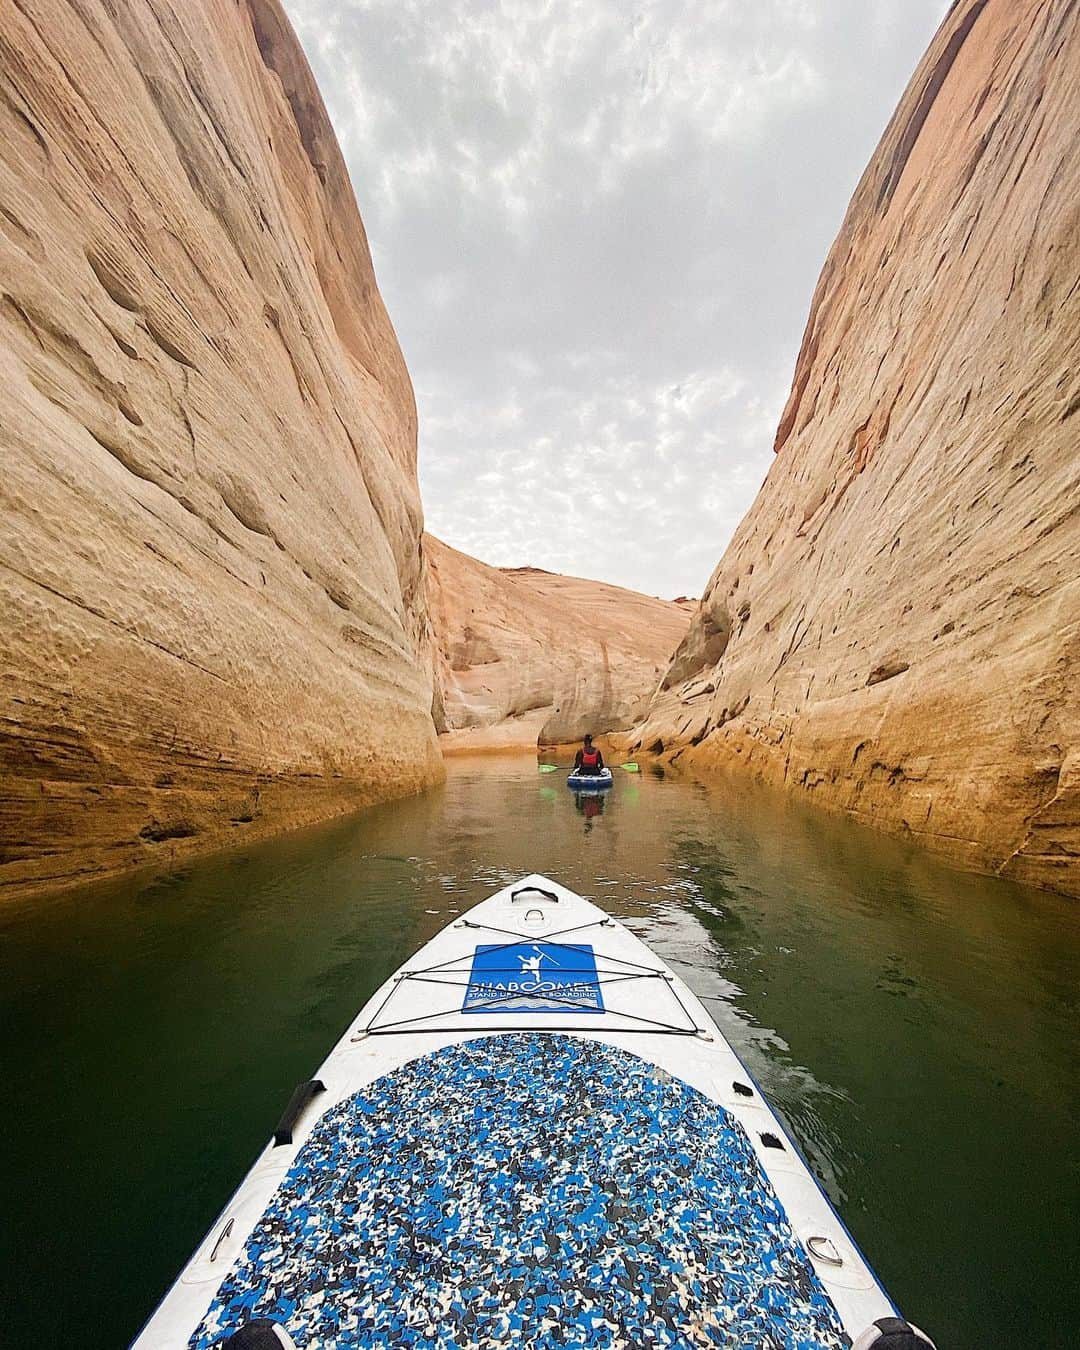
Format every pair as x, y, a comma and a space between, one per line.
532, 1135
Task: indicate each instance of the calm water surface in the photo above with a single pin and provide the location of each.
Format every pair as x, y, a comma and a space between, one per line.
916, 1027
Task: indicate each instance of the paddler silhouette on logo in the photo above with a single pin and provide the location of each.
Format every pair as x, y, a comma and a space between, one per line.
530, 965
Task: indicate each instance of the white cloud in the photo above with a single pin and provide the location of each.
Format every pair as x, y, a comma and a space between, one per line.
597, 228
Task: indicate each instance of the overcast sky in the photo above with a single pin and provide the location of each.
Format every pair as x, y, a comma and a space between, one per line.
597, 225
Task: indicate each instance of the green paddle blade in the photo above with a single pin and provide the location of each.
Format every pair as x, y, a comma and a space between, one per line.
548, 768
630, 768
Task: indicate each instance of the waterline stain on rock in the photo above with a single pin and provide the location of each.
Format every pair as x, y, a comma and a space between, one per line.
209, 444
915, 549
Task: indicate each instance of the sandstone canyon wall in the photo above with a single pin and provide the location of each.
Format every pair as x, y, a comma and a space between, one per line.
528, 657
895, 627
212, 613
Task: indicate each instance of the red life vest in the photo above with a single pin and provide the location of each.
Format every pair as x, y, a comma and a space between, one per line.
590, 759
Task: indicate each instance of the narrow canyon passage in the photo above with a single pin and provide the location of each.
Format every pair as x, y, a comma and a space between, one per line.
913, 1024
229, 621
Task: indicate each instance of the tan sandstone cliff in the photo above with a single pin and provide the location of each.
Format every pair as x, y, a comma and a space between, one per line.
212, 618
895, 627
528, 657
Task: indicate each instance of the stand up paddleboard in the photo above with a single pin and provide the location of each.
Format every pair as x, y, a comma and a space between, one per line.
533, 1135
590, 782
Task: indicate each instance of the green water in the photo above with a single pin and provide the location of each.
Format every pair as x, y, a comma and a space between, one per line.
916, 1027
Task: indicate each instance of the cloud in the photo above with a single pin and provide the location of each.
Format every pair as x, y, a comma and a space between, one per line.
597, 227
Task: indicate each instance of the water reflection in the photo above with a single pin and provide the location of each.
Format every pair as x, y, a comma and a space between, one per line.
590, 805
916, 1027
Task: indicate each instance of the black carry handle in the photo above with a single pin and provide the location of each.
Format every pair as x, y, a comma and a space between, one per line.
533, 890
295, 1109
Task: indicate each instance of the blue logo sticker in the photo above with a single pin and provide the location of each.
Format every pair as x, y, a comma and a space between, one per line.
533, 977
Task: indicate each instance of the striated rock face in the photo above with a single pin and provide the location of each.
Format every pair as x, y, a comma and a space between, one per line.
212, 616
525, 656
895, 627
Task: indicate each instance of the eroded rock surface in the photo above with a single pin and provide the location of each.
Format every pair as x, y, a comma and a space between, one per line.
895, 627
212, 617
527, 657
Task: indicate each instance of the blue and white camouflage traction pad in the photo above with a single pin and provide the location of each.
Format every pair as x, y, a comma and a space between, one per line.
528, 1189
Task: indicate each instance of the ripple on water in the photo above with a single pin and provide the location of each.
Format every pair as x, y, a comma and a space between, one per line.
155, 1028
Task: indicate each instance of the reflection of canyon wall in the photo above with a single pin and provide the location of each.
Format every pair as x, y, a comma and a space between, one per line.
212, 619
527, 656
895, 628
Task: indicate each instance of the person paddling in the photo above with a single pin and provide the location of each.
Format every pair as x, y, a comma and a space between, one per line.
588, 760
